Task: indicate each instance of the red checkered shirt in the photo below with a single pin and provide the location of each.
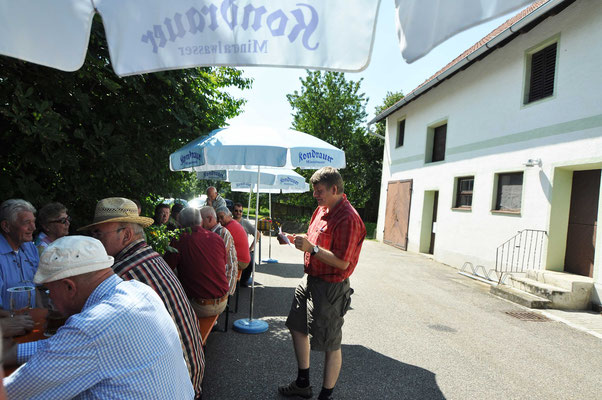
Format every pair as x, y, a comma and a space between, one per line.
340, 230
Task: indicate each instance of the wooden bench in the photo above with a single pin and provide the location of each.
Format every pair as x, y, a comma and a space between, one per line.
206, 325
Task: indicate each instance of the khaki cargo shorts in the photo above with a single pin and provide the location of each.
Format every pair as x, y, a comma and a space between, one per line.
318, 309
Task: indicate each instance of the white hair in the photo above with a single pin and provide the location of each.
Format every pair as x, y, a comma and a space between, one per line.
189, 217
208, 211
12, 207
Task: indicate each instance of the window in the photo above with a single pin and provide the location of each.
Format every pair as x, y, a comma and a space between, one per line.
401, 130
439, 143
509, 191
541, 72
464, 192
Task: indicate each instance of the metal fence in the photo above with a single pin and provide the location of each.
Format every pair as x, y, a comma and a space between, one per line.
520, 253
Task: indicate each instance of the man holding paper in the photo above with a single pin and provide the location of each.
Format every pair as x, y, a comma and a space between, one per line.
332, 248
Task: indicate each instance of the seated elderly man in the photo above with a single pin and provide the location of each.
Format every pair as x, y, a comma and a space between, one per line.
250, 229
238, 233
18, 260
214, 199
120, 229
201, 265
18, 255
119, 340
211, 224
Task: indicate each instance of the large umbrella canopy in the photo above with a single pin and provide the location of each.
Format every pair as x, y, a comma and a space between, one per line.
238, 147
274, 177
154, 35
271, 189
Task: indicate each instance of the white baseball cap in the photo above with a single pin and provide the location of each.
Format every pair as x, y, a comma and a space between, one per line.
70, 256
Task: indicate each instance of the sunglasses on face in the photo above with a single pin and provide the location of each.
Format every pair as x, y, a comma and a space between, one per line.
61, 220
238, 211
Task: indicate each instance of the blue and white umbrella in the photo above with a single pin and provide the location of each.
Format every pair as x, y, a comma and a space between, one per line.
239, 147
255, 147
287, 182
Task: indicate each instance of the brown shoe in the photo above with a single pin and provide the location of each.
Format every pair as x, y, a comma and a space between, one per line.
293, 390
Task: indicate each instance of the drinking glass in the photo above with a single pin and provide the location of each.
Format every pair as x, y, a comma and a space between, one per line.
22, 298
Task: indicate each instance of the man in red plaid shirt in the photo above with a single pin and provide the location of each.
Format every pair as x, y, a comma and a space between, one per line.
332, 248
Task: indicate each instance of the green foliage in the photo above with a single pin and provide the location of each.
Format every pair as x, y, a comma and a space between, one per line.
159, 238
390, 99
332, 108
370, 230
77, 137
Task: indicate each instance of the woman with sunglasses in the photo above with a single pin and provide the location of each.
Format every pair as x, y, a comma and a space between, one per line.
53, 223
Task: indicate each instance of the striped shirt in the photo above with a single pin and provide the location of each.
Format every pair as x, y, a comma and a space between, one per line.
140, 262
231, 260
340, 230
121, 345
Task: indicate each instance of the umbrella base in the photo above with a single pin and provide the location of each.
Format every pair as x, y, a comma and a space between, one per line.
246, 325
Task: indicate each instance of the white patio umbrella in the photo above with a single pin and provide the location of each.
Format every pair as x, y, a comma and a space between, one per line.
237, 148
153, 35
286, 181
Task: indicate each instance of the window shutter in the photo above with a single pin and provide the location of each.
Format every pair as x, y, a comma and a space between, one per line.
439, 143
543, 71
401, 133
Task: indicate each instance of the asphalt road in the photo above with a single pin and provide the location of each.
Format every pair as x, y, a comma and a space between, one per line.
417, 330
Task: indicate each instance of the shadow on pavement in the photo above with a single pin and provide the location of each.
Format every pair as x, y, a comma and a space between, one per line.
242, 366
367, 374
282, 270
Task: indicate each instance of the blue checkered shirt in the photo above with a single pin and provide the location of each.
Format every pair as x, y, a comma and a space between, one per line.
122, 345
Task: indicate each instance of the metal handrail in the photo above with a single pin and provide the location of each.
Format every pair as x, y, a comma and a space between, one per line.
521, 252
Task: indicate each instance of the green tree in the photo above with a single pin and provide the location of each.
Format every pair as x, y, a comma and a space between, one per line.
390, 99
332, 108
81, 136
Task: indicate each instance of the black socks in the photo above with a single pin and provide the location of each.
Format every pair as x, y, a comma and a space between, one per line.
303, 378
325, 394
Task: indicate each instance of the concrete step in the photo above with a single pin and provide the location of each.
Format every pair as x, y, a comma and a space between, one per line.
535, 287
520, 297
565, 291
561, 279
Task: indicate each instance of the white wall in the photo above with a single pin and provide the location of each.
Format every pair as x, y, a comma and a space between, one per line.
490, 131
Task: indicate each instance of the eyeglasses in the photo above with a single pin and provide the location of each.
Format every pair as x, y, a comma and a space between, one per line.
97, 234
61, 220
235, 210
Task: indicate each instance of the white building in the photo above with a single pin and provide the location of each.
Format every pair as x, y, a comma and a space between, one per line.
505, 138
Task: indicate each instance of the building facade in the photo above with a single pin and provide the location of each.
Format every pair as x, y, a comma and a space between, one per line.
507, 138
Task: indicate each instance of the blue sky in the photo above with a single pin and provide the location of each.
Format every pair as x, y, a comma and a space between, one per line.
387, 71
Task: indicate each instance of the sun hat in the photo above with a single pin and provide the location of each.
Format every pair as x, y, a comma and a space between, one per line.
70, 256
117, 209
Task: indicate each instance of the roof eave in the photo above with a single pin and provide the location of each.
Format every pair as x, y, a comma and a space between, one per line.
508, 34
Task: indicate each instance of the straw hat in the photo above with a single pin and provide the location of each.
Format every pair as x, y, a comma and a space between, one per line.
70, 256
117, 209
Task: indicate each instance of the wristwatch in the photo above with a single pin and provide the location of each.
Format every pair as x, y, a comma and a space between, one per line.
315, 250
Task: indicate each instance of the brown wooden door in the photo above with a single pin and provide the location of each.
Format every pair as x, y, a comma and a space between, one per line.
581, 235
397, 215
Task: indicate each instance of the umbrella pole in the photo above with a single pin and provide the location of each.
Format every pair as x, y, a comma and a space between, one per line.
249, 206
270, 238
270, 260
255, 243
